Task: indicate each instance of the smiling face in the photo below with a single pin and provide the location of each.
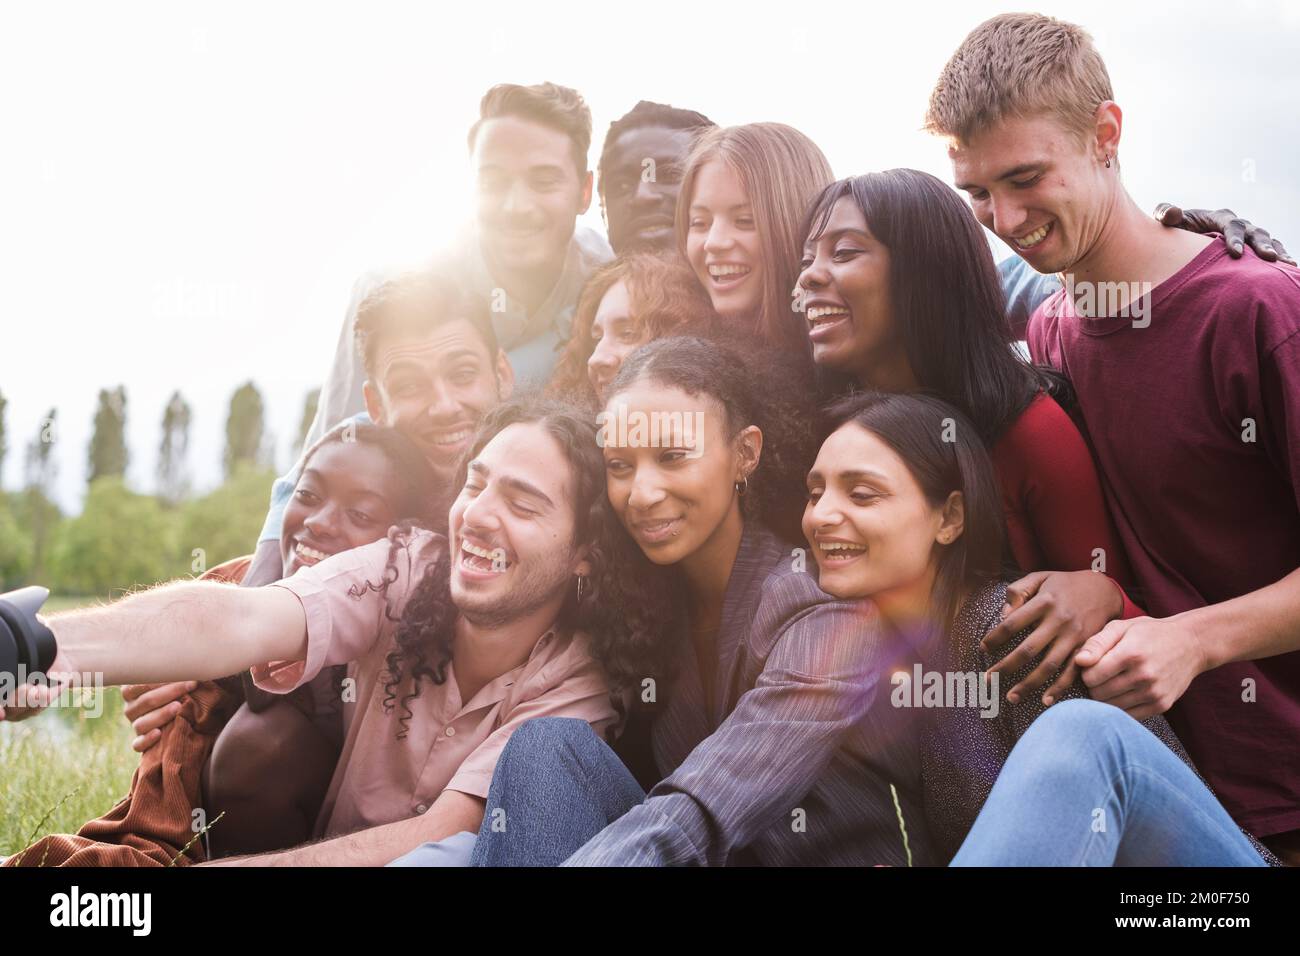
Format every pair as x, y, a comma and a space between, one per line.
722, 241
1040, 189
529, 194
511, 528
615, 334
435, 386
346, 497
640, 196
872, 529
846, 296
678, 498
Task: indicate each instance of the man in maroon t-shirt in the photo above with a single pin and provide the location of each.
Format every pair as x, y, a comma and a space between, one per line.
1187, 368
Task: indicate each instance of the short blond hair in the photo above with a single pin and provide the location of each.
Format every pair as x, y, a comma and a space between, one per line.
1019, 65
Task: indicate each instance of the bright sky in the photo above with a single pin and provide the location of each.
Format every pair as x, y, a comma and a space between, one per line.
187, 194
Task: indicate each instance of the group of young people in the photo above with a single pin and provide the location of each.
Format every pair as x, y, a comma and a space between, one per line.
757, 537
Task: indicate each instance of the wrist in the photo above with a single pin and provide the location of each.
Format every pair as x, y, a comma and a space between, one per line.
1197, 628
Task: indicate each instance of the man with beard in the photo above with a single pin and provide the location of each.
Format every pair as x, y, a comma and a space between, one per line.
453, 641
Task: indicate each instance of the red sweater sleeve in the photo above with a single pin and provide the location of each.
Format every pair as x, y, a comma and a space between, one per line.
1056, 513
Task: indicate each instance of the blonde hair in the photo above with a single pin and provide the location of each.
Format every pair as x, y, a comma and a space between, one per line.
1019, 65
782, 172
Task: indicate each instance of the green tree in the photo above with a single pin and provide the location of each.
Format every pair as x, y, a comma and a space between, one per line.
244, 428
15, 546
173, 475
4, 439
108, 454
38, 516
224, 523
121, 540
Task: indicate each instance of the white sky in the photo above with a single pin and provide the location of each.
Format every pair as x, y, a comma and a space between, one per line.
186, 194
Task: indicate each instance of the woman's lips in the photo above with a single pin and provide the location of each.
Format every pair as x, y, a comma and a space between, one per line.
657, 532
726, 275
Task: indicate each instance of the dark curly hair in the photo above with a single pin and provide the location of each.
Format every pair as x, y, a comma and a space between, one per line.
626, 610
767, 389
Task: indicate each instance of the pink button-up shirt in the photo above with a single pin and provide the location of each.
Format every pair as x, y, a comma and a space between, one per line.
450, 744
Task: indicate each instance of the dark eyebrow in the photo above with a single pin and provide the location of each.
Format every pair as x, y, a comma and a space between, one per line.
837, 233
1009, 174
852, 474
518, 484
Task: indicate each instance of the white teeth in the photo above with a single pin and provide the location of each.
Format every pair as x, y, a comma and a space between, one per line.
718, 271
840, 546
451, 438
312, 553
824, 311
1035, 237
496, 555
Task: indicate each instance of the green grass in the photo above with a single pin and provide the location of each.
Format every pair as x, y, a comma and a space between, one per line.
63, 767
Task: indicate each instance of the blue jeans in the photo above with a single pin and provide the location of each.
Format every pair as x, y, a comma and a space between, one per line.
1087, 785
555, 787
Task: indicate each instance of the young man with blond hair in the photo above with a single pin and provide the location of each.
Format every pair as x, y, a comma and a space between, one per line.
1186, 364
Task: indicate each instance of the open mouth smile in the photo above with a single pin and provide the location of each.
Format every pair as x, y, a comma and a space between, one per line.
480, 560
1034, 238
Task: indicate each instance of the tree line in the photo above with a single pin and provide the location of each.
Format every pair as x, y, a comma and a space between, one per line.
124, 538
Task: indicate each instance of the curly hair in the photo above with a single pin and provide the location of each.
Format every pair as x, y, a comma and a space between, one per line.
767, 388
626, 610
664, 294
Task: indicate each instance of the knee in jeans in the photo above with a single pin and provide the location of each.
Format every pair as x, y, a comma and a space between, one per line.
1067, 730
1078, 717
547, 735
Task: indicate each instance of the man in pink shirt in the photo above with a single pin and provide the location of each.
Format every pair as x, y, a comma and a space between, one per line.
530, 607
1186, 365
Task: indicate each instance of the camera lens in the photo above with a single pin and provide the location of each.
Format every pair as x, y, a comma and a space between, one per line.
26, 645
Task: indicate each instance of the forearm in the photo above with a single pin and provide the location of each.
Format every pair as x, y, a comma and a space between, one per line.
1259, 624
452, 812
186, 630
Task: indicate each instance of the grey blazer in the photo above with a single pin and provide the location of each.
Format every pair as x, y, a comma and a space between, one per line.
792, 760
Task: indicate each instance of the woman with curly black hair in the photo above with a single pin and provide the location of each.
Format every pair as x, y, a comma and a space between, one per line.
772, 745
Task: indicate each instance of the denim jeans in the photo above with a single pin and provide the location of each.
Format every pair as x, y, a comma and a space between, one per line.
555, 787
1087, 785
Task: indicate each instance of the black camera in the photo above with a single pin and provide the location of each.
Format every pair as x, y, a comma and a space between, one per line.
25, 642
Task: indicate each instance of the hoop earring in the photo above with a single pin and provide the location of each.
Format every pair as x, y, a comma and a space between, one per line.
1108, 160
742, 486
582, 584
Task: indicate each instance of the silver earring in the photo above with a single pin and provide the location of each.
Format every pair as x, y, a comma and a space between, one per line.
582, 585
742, 486
1108, 160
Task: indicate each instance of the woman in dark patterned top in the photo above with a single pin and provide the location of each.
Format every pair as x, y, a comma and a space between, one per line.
903, 509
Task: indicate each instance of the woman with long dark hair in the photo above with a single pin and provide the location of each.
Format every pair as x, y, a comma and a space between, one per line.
901, 294
903, 511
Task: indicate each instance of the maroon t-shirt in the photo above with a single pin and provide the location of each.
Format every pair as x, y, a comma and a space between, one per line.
1195, 422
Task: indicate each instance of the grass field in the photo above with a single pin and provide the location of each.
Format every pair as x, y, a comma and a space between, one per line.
62, 767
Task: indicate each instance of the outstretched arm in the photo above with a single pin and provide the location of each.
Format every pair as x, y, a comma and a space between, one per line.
187, 630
